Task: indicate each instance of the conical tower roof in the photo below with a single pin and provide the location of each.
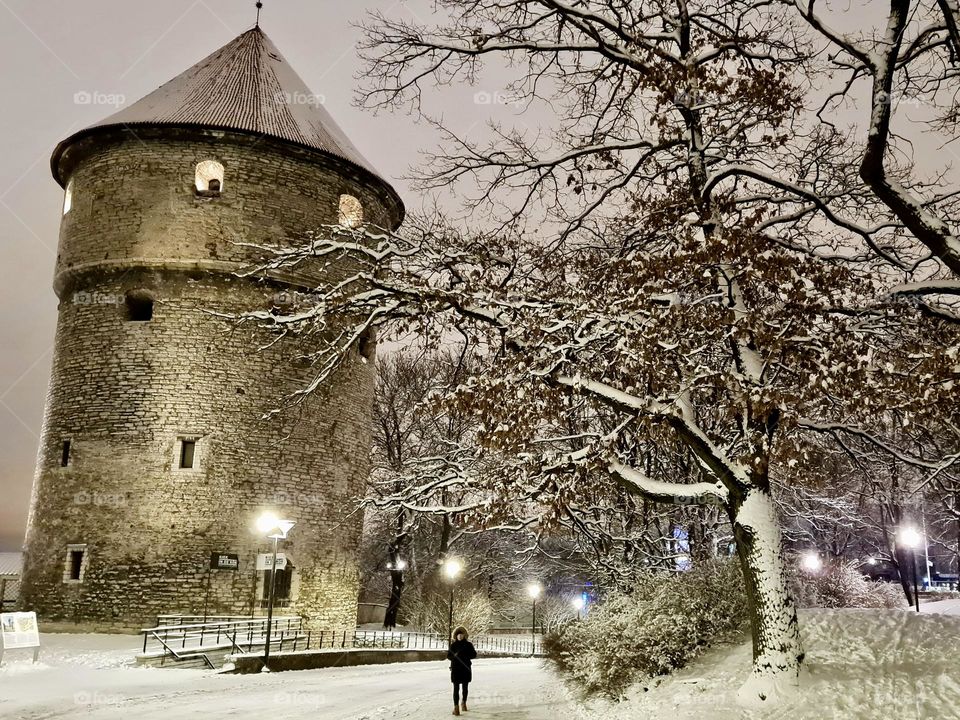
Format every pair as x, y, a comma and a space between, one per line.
245, 86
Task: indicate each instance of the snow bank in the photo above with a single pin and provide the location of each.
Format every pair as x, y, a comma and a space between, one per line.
861, 665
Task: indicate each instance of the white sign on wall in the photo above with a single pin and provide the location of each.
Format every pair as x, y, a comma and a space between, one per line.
265, 561
19, 630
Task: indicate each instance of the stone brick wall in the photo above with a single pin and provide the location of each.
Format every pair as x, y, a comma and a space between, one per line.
124, 392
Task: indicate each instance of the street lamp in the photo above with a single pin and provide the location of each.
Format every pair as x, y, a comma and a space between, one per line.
811, 562
452, 569
276, 529
910, 538
578, 605
534, 590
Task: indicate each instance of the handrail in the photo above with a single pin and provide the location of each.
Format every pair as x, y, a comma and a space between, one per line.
252, 628
253, 631
178, 657
253, 621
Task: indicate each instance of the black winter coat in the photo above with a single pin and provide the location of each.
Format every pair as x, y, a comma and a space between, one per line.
460, 655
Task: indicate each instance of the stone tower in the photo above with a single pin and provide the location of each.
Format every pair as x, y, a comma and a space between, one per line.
154, 452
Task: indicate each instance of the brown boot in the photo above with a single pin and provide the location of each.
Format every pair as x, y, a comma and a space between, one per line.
463, 706
456, 710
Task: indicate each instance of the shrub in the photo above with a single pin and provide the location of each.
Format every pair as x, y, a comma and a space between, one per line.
471, 608
842, 586
666, 620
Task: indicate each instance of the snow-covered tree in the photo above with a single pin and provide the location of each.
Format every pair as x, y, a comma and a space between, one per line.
683, 260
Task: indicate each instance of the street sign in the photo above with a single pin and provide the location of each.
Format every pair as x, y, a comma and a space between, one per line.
265, 561
224, 561
19, 630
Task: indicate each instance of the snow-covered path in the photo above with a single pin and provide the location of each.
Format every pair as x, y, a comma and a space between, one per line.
941, 607
72, 683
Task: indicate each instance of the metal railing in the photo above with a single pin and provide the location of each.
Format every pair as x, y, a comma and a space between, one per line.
319, 640
183, 639
180, 641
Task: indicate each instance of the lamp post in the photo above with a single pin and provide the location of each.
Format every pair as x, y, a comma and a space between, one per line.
578, 605
534, 590
276, 529
910, 538
451, 568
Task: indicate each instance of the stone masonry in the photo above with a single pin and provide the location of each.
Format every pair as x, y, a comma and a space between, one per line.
126, 393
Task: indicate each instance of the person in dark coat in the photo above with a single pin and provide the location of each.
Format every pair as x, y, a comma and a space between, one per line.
460, 655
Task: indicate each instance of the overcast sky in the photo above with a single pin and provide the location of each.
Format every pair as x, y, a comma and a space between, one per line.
58, 53
67, 64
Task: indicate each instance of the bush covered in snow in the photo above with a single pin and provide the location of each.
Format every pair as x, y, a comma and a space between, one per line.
838, 585
664, 622
471, 608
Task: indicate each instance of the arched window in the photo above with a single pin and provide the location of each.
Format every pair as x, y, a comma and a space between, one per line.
209, 177
68, 198
351, 211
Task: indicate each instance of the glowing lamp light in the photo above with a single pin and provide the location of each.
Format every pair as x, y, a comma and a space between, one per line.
267, 522
274, 527
578, 603
534, 590
400, 564
811, 562
909, 537
452, 568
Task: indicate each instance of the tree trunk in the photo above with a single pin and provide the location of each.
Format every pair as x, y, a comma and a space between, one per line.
777, 651
901, 559
393, 607
396, 571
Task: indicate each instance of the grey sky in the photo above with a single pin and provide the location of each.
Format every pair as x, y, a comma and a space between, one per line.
55, 49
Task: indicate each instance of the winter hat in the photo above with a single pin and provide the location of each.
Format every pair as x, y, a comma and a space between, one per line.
460, 630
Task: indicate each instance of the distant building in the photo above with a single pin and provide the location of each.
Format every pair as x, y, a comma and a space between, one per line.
154, 452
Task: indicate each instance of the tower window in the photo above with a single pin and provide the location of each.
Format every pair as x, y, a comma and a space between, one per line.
75, 563
68, 198
187, 453
351, 211
139, 307
65, 453
188, 450
209, 177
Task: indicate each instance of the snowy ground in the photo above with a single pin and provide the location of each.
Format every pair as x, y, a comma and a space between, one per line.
862, 665
87, 676
942, 607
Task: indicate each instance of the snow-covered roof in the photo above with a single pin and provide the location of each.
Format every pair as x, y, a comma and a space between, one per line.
245, 86
10, 563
